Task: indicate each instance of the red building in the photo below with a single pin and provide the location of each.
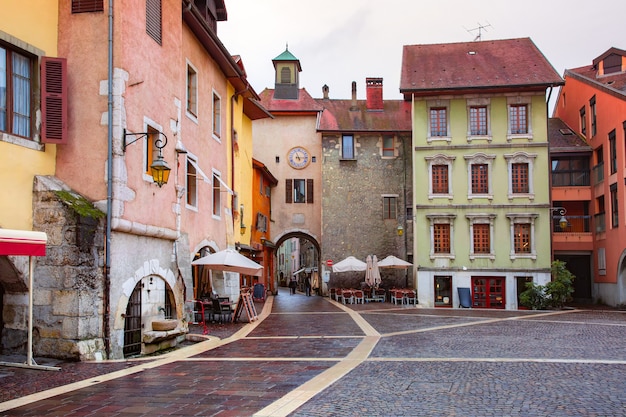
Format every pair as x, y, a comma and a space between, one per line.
593, 103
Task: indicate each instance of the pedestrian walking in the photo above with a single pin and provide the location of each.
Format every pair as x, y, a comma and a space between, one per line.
292, 286
307, 285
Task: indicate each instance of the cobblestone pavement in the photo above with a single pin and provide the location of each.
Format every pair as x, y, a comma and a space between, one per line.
313, 357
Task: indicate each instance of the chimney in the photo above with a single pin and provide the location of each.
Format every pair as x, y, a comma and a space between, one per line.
374, 88
354, 107
325, 91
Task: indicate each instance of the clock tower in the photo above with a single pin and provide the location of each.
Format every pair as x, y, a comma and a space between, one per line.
287, 68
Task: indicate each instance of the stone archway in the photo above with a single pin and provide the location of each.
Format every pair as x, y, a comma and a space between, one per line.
309, 260
621, 279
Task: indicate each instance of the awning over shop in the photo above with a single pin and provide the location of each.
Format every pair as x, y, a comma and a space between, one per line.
22, 242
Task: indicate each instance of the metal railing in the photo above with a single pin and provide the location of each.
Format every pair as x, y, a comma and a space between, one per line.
570, 178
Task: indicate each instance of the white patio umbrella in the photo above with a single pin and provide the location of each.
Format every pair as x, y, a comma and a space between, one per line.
231, 261
349, 264
393, 262
372, 274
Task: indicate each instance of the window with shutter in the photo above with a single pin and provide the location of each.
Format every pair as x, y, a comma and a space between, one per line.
309, 191
86, 6
288, 191
153, 20
54, 100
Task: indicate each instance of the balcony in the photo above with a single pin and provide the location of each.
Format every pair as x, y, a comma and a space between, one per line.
575, 224
575, 178
576, 236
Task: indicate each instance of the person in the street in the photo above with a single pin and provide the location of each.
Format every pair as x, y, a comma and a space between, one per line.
307, 285
292, 286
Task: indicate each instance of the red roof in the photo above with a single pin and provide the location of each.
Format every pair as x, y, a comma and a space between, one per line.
612, 83
304, 104
340, 115
493, 65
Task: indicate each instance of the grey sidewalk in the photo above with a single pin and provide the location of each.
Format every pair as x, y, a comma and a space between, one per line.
311, 357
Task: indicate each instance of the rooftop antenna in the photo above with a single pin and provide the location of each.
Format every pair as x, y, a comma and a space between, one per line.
480, 29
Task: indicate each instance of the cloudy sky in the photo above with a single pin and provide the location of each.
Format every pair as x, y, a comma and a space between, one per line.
340, 41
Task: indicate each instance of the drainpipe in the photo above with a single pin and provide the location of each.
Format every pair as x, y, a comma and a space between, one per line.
107, 249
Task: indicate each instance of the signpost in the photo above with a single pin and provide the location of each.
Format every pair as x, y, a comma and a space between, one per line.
329, 262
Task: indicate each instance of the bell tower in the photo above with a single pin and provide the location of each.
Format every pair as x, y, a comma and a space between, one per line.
287, 79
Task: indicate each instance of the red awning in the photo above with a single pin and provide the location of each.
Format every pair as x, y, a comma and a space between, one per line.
22, 242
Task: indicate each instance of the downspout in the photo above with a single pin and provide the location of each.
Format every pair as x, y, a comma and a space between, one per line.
107, 248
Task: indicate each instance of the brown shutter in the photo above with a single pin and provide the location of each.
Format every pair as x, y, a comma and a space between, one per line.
85, 6
309, 191
153, 20
54, 100
288, 191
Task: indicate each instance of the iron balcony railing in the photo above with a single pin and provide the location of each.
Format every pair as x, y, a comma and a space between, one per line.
575, 224
570, 178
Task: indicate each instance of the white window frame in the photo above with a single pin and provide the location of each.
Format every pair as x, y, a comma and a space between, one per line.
440, 159
478, 102
439, 104
480, 158
218, 186
149, 123
216, 116
519, 100
527, 218
192, 113
441, 218
601, 261
193, 161
520, 158
481, 218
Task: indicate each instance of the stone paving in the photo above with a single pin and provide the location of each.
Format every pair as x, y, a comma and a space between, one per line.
313, 357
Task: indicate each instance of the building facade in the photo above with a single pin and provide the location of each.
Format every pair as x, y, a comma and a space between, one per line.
593, 103
480, 169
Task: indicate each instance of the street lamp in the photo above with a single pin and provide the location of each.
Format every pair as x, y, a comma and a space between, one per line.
159, 168
562, 221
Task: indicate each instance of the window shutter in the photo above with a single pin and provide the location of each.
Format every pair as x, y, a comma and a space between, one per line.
288, 191
153, 19
54, 100
85, 6
309, 191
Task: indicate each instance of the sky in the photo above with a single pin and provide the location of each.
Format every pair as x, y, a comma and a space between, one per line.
340, 41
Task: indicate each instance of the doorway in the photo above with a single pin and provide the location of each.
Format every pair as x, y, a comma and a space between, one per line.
488, 292
132, 324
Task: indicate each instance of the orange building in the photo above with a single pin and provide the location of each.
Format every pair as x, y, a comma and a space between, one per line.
593, 104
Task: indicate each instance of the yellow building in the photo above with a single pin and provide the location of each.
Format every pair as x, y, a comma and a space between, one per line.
28, 33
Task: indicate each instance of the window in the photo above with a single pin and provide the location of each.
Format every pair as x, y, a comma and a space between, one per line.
150, 149
614, 206
347, 147
438, 121
299, 191
440, 179
261, 222
192, 91
592, 110
439, 170
217, 116
478, 121
583, 121
481, 230
191, 184
521, 238
599, 217
601, 261
479, 181
217, 196
612, 152
570, 171
84, 6
519, 178
518, 119
523, 235
153, 20
390, 210
520, 167
388, 146
441, 235
16, 87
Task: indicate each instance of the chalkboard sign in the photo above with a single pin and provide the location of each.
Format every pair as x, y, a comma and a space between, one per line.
245, 303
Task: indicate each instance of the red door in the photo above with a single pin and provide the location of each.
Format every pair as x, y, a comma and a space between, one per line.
488, 292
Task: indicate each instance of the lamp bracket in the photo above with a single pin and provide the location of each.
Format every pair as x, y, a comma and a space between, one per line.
158, 143
561, 210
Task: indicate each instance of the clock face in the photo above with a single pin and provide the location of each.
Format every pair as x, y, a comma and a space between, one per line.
298, 157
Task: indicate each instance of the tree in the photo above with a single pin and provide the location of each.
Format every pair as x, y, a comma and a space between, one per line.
552, 295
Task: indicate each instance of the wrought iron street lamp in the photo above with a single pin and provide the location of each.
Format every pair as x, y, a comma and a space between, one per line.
159, 168
562, 221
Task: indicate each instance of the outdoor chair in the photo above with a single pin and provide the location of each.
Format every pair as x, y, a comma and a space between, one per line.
215, 310
396, 296
465, 297
347, 296
378, 294
333, 294
409, 297
359, 297
226, 309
